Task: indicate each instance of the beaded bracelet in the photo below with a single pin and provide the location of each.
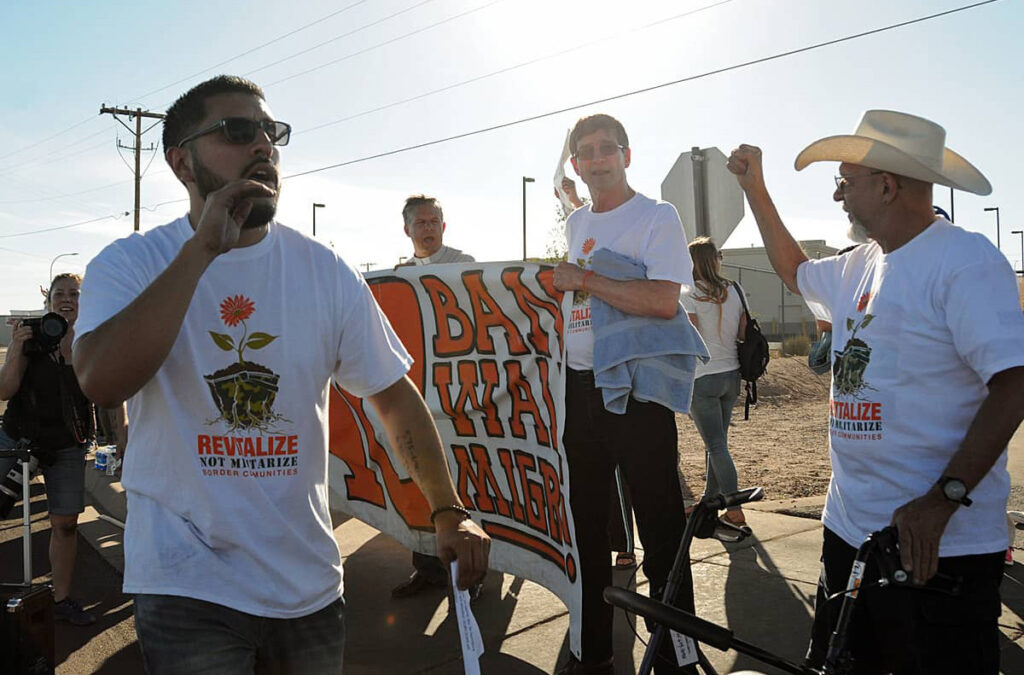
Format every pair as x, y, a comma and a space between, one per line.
453, 507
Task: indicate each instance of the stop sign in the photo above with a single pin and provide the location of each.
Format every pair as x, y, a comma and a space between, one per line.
706, 194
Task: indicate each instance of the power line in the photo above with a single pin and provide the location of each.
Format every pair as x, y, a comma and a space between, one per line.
552, 113
615, 35
691, 78
62, 196
48, 138
122, 214
254, 49
340, 37
217, 65
59, 154
381, 44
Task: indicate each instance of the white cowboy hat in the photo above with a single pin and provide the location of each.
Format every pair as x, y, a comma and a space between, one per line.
902, 144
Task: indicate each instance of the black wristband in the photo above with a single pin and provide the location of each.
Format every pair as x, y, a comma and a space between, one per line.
453, 507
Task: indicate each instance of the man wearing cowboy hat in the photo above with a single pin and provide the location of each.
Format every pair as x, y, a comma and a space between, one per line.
927, 389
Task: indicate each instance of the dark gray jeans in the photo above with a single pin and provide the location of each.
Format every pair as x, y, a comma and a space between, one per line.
184, 636
711, 409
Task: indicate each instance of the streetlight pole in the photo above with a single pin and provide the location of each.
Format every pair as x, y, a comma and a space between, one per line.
1021, 233
55, 260
525, 181
315, 207
996, 209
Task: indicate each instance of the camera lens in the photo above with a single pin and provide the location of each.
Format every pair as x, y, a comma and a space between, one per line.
53, 326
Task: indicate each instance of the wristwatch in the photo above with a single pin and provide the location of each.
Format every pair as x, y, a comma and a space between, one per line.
954, 490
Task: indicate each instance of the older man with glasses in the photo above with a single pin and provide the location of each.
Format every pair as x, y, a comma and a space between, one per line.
641, 438
927, 389
223, 330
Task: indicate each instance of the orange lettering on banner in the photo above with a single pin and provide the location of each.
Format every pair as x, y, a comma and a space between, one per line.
352, 436
527, 301
505, 457
485, 484
446, 310
487, 314
464, 426
558, 525
397, 298
549, 401
523, 402
546, 279
533, 492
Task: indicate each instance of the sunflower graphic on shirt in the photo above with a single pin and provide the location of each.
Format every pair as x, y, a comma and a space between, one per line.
243, 391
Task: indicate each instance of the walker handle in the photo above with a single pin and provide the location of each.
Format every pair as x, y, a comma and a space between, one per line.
754, 494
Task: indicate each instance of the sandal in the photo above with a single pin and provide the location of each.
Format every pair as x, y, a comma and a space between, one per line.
625, 560
732, 532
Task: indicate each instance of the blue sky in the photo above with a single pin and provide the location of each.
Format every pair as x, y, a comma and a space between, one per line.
496, 61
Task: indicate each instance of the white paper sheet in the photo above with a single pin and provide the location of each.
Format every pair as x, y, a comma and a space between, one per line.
469, 631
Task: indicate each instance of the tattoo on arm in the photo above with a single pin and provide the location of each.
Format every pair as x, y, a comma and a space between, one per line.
408, 448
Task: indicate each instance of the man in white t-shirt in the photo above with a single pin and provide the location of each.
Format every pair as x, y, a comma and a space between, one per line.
643, 440
425, 226
927, 389
223, 330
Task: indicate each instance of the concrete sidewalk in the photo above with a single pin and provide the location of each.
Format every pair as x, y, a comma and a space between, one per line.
761, 589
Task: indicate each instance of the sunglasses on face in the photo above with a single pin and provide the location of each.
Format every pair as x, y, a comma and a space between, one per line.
242, 130
588, 152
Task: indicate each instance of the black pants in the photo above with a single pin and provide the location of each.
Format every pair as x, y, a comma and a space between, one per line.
912, 631
643, 443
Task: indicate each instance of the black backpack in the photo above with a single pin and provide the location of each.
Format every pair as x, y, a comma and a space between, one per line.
753, 354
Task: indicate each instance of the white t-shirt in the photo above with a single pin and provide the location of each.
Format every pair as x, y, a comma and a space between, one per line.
445, 254
719, 326
642, 229
917, 334
226, 469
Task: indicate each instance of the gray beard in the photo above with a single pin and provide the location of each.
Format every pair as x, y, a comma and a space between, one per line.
857, 232
263, 210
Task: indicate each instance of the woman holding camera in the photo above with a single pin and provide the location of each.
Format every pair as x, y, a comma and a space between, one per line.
47, 407
716, 311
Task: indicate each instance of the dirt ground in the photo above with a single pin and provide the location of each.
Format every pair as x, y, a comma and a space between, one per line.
783, 447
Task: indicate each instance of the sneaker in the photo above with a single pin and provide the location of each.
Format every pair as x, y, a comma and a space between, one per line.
416, 584
1009, 557
69, 610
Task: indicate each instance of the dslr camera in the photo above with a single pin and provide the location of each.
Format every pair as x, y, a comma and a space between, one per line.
47, 332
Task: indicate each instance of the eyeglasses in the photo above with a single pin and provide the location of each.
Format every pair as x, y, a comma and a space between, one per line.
843, 181
242, 130
718, 255
588, 152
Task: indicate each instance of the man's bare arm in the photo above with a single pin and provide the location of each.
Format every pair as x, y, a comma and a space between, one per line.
783, 251
120, 356
642, 297
922, 521
414, 437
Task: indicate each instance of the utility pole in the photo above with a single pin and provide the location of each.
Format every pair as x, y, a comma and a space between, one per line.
367, 265
138, 114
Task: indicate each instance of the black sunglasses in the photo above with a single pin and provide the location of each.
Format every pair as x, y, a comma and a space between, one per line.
242, 130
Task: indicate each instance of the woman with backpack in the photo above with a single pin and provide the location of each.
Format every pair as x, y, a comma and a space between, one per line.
715, 309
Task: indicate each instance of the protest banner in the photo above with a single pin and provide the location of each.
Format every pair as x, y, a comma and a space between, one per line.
489, 360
